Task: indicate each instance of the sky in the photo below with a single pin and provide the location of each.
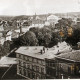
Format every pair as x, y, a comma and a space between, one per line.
30, 7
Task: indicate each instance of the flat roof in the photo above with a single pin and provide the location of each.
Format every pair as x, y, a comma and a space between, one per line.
35, 51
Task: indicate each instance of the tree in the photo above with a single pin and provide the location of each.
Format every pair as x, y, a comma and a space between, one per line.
47, 39
1, 50
35, 30
40, 38
29, 39
54, 39
62, 23
6, 47
75, 38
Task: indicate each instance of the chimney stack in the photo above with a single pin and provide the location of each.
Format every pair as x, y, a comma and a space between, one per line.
44, 49
41, 51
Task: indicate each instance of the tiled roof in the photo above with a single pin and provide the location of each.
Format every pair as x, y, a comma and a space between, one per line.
72, 56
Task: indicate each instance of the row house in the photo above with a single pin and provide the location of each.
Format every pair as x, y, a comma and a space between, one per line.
68, 65
33, 62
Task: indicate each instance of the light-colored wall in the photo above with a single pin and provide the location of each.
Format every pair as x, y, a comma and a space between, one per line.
30, 61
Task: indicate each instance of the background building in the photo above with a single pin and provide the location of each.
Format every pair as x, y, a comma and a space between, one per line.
68, 64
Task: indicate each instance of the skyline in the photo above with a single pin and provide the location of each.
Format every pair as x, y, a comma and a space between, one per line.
30, 7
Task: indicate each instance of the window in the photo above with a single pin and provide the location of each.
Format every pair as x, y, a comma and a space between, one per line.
17, 69
30, 59
24, 72
53, 64
28, 66
43, 62
20, 70
77, 70
24, 64
72, 69
33, 75
29, 74
17, 55
42, 77
21, 56
25, 57
37, 68
42, 70
19, 62
35, 60
34, 67
39, 61
37, 76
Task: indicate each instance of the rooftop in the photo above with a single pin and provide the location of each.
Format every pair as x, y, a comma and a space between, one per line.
6, 61
35, 51
72, 56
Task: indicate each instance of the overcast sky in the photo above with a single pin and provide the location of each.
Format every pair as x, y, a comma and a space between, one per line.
30, 7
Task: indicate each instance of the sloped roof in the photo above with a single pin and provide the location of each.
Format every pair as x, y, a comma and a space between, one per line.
62, 47
52, 17
72, 56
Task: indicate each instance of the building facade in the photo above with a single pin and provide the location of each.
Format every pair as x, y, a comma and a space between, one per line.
68, 65
30, 67
50, 68
35, 62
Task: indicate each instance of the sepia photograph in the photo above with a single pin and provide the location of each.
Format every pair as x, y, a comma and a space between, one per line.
39, 39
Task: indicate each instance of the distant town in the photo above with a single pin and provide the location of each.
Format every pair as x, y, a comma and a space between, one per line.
40, 46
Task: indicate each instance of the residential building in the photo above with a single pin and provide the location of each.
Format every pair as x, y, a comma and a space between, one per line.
38, 20
78, 22
50, 68
52, 19
1, 27
2, 40
8, 35
32, 62
68, 65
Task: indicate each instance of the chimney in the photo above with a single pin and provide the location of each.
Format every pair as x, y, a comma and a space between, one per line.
20, 28
41, 51
44, 49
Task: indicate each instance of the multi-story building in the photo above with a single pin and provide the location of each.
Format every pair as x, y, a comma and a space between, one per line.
50, 68
68, 65
33, 62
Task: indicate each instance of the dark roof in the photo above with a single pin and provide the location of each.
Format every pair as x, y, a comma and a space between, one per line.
71, 56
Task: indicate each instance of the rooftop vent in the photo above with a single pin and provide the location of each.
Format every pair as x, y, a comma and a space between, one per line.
41, 51
27, 48
44, 49
35, 49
